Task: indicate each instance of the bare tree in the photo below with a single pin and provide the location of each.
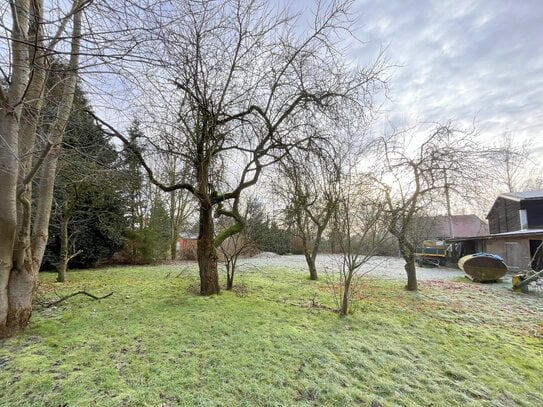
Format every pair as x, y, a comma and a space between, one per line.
232, 249
180, 205
308, 184
448, 160
510, 161
359, 230
240, 244
22, 243
67, 240
247, 87
535, 181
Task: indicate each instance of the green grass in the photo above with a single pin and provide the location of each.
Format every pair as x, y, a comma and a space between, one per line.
155, 342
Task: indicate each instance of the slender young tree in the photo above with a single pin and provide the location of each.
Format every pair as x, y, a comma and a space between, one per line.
240, 244
359, 231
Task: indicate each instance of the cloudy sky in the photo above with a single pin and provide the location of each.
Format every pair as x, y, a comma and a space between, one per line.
468, 61
461, 60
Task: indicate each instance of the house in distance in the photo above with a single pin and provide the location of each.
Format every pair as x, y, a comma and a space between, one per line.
515, 230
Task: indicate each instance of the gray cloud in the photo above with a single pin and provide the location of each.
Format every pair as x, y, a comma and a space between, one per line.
461, 60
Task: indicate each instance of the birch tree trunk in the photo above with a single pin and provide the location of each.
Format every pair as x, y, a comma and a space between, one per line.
21, 255
49, 168
10, 116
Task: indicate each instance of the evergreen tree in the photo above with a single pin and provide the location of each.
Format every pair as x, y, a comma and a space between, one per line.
266, 234
88, 219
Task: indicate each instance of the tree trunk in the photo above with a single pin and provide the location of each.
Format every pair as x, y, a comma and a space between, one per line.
8, 210
173, 226
407, 252
344, 311
312, 252
411, 273
18, 270
207, 254
63, 260
15, 257
310, 259
229, 276
173, 247
49, 168
22, 282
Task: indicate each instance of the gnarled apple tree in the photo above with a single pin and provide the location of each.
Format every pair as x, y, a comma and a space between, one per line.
241, 83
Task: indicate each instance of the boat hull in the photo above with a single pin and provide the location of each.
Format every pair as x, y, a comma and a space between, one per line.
482, 267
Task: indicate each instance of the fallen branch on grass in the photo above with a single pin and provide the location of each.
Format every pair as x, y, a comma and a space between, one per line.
94, 297
313, 304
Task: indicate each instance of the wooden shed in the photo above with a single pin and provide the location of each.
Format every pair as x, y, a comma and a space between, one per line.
516, 211
516, 230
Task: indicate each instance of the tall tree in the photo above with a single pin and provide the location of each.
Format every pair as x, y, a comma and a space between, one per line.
22, 243
180, 205
134, 179
510, 162
156, 233
139, 195
249, 87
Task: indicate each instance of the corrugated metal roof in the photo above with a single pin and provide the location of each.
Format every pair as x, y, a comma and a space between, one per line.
515, 233
519, 232
521, 196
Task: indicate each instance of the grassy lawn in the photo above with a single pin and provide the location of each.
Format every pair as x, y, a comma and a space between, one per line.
154, 342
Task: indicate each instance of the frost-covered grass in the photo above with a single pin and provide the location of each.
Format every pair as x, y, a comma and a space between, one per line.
155, 342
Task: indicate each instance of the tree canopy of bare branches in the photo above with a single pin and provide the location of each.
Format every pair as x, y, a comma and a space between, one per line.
308, 184
359, 229
240, 86
419, 176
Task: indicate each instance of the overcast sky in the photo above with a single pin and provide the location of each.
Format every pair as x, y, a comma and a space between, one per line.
462, 60
467, 61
